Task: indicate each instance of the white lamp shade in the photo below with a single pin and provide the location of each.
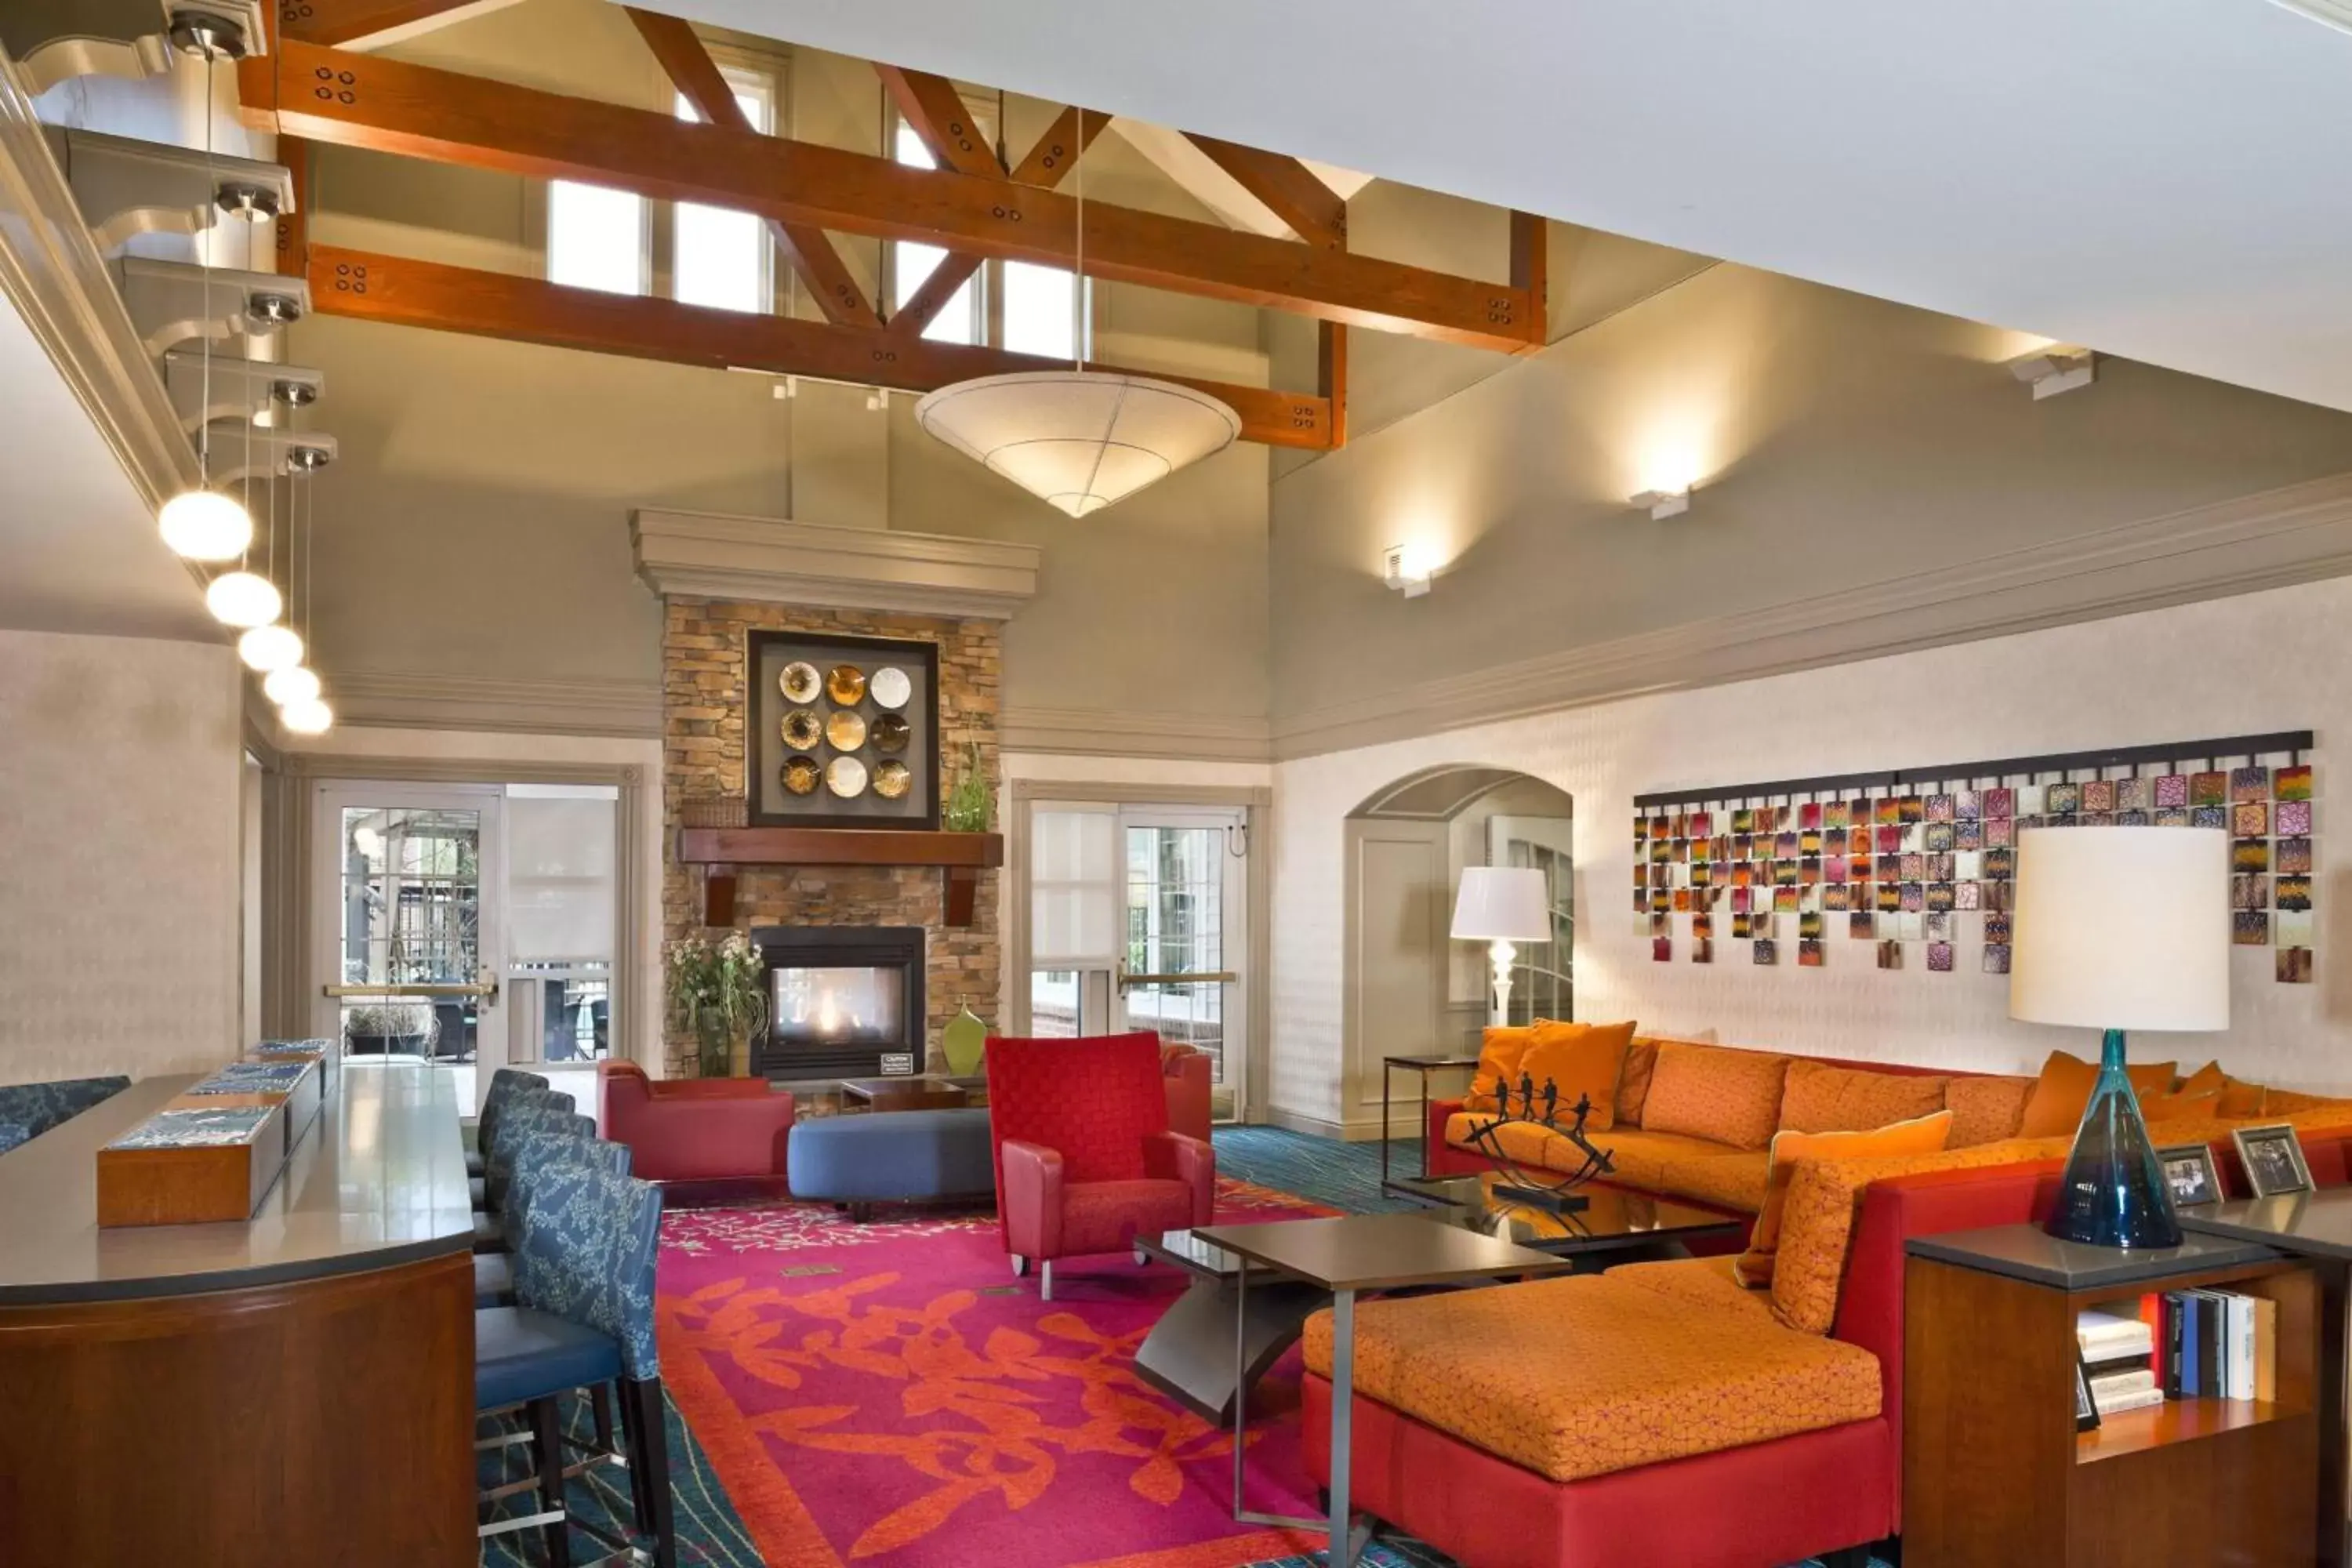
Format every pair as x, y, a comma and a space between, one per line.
268, 648
205, 525
243, 599
289, 686
309, 718
2122, 928
1078, 439
1501, 903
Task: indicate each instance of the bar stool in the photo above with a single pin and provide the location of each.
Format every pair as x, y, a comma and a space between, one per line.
504, 1084
528, 1150
584, 1279
534, 1111
486, 1139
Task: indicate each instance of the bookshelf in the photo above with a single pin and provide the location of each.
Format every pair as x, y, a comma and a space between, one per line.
1993, 1468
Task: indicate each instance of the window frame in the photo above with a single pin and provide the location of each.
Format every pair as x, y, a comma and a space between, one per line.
763, 79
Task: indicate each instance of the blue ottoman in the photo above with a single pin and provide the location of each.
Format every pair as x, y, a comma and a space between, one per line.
892, 1156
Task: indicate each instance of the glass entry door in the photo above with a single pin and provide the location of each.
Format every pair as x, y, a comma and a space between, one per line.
1137, 919
409, 931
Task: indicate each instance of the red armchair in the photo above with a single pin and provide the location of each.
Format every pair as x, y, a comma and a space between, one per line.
695, 1129
1085, 1162
1185, 1074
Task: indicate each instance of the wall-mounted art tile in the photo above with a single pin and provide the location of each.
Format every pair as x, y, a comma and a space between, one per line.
1939, 926
1837, 816
1808, 871
1887, 811
1890, 897
1702, 924
1911, 867
1681, 900
1743, 847
2028, 801
1810, 953
1784, 900
1809, 814
1941, 898
1662, 852
2250, 928
1702, 874
1890, 955
1784, 873
1940, 808
1967, 865
1939, 958
2098, 794
1766, 951
1914, 835
2292, 820
2062, 799
1837, 897
1702, 950
2250, 892
2135, 794
1888, 840
2293, 855
1858, 840
2000, 865
1887, 868
1999, 831
1999, 896
1969, 835
1910, 808
1662, 950
2291, 783
2250, 784
1996, 928
2293, 892
1743, 925
1743, 819
1661, 900
2131, 819
1701, 823
1836, 870
1941, 837
1915, 896
1861, 925
2209, 789
2293, 966
1967, 806
1702, 850
1858, 867
1661, 922
2209, 816
2000, 802
1967, 895
1809, 924
2171, 789
2294, 927
1657, 827
2095, 819
2250, 819
1942, 868
1996, 958
2250, 855
1785, 846
2172, 816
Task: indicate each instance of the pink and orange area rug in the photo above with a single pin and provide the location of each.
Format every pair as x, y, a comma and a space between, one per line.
887, 1393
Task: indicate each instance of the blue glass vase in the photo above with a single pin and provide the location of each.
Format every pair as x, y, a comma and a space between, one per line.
2113, 1193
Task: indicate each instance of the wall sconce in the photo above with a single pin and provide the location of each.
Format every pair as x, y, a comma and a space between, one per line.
1664, 504
2053, 370
1407, 568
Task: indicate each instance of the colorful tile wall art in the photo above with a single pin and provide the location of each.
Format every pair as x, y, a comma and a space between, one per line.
1910, 860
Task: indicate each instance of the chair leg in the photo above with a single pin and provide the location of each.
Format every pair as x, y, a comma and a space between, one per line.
1847, 1557
651, 1462
1045, 1280
600, 1405
641, 1508
1020, 1265
547, 1438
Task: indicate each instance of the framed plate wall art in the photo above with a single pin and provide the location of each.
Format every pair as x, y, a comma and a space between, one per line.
842, 732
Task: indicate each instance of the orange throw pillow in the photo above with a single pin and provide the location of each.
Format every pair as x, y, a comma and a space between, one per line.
1579, 1060
1820, 1097
1920, 1135
2064, 1092
1714, 1092
2181, 1107
1986, 1109
1633, 1081
1499, 1054
2237, 1099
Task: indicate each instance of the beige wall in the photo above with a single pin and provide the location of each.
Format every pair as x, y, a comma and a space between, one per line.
119, 863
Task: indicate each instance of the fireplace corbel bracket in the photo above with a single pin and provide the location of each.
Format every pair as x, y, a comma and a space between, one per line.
720, 851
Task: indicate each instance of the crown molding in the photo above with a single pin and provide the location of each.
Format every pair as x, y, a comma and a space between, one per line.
405, 701
2295, 534
1125, 732
779, 562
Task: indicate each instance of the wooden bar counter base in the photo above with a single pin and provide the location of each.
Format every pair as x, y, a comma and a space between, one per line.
297, 1388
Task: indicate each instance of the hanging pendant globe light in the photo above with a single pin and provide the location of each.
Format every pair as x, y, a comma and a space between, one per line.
205, 525
270, 648
291, 686
243, 599
309, 718
1078, 439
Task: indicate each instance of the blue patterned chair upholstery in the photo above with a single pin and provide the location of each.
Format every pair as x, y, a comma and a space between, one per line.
531, 1153
30, 1110
584, 1284
505, 1084
530, 1109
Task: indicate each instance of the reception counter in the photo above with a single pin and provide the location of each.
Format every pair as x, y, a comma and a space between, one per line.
294, 1388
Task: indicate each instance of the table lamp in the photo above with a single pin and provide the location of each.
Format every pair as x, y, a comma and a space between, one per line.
2116, 929
1500, 905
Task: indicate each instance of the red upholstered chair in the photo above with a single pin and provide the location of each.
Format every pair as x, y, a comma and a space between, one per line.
694, 1129
1185, 1074
1085, 1162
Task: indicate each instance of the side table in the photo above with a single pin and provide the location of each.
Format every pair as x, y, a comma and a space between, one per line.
1423, 1066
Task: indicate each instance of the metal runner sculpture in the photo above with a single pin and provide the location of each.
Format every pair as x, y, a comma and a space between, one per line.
1518, 1186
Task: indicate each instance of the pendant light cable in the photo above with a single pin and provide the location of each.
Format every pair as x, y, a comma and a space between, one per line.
205, 262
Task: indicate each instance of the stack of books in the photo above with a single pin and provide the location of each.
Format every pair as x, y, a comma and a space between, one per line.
2181, 1344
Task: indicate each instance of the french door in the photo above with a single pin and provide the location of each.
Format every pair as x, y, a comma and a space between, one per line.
1139, 921
408, 931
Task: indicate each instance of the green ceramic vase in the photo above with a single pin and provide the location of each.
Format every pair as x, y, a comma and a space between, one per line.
963, 1043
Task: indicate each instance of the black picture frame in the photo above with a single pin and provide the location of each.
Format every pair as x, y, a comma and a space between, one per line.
2086, 1409
766, 805
2191, 1176
2272, 1158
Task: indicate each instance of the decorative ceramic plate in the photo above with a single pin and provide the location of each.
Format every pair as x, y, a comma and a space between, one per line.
890, 733
893, 779
799, 681
803, 729
891, 687
800, 775
845, 684
846, 776
846, 730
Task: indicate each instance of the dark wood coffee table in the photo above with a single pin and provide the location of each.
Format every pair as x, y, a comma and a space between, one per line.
1612, 1228
922, 1092
1346, 1256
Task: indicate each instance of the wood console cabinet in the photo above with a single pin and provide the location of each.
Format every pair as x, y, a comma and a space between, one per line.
1994, 1471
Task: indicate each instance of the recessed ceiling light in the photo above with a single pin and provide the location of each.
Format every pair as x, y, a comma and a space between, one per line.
1664, 504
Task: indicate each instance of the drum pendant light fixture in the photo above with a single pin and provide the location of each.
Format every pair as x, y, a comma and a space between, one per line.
1080, 439
203, 524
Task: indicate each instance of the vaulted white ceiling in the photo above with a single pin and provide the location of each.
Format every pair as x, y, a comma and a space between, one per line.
2161, 179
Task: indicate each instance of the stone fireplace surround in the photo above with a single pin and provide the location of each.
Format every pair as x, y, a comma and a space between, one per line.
722, 578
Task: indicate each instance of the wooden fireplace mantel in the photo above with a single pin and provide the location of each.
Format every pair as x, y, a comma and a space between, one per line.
962, 856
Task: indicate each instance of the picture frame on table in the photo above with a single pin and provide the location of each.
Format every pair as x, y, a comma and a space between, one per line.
2272, 1156
2191, 1176
2086, 1409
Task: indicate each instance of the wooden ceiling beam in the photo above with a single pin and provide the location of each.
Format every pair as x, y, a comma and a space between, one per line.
403, 292
1314, 211
806, 250
935, 109
1058, 152
1531, 269
291, 230
389, 106
341, 21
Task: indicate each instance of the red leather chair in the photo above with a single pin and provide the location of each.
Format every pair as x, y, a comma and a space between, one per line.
1085, 1162
694, 1129
1185, 1074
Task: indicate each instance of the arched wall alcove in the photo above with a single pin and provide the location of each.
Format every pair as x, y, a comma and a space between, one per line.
1407, 988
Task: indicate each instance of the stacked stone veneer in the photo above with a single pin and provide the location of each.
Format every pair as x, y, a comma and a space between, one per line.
705, 665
